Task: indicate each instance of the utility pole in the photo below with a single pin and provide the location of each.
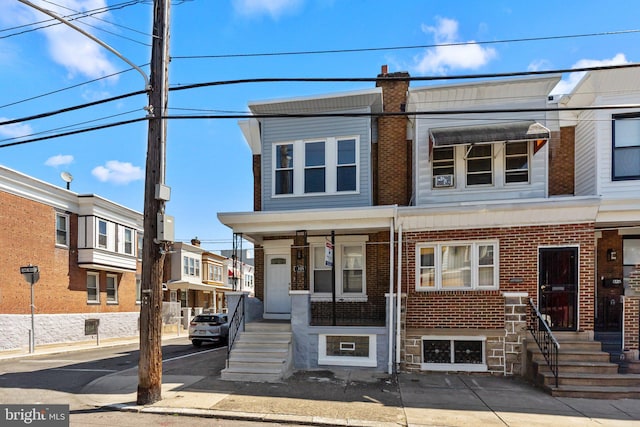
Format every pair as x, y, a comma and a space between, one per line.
155, 196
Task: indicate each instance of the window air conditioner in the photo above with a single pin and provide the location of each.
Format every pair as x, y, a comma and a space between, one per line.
441, 181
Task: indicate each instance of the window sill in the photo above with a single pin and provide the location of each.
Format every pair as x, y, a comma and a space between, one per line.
61, 246
347, 361
112, 303
494, 288
337, 193
329, 298
93, 302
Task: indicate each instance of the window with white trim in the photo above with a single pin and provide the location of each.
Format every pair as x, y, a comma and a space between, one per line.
516, 160
457, 266
350, 264
112, 289
185, 265
347, 350
454, 353
62, 229
128, 241
138, 288
308, 167
626, 147
480, 164
140, 240
93, 287
102, 234
444, 167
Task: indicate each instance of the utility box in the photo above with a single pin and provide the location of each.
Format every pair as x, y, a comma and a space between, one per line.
166, 228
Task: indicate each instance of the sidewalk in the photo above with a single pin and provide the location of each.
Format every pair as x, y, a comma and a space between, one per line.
352, 397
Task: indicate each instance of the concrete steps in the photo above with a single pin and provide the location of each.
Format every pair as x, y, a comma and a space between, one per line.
262, 353
584, 370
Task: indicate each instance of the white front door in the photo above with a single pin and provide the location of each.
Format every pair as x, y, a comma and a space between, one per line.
278, 280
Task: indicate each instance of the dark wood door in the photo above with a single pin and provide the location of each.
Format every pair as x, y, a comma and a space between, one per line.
558, 287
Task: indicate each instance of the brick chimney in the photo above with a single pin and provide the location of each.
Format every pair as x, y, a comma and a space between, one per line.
392, 159
195, 241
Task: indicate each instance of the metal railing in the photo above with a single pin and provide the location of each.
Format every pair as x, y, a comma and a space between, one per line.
235, 324
547, 343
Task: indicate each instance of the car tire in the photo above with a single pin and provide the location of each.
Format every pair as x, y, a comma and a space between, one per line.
196, 343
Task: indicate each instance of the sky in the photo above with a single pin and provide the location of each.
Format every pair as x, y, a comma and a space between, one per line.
45, 67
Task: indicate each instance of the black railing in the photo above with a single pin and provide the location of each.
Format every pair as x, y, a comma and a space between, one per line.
235, 324
546, 341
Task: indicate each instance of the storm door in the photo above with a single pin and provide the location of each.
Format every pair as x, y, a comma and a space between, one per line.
558, 287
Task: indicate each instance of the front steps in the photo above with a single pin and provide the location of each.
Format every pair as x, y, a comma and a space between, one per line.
585, 370
262, 353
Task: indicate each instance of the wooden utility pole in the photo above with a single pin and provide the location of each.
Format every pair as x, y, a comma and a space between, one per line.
150, 363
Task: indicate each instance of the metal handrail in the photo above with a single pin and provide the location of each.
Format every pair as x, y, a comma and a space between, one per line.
547, 343
235, 324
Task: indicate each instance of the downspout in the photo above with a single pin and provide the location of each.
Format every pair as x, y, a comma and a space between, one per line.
399, 297
391, 260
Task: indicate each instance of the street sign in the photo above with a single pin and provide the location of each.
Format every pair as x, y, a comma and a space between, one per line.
31, 273
30, 269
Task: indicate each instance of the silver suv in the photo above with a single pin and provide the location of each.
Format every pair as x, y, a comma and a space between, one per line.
209, 328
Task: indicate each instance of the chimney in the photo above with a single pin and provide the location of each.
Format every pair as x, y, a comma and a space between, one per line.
384, 70
195, 241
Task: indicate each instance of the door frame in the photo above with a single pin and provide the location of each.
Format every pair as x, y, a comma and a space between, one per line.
278, 248
576, 298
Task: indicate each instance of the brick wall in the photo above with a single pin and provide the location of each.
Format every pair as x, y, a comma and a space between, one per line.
258, 274
562, 161
28, 233
518, 259
393, 152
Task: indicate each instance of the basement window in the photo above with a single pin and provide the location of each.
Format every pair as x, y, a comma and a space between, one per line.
453, 354
347, 350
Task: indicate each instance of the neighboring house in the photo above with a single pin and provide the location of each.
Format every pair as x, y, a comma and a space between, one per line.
86, 249
214, 268
469, 215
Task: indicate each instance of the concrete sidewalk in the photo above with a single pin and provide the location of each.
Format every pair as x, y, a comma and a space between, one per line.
349, 397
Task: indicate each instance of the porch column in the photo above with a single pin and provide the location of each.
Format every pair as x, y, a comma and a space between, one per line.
515, 325
303, 344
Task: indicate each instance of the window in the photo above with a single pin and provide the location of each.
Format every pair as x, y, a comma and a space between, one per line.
185, 265
217, 273
102, 234
314, 167
62, 229
93, 288
328, 166
480, 165
192, 267
516, 159
630, 257
128, 241
456, 266
350, 273
347, 350
626, 147
138, 288
112, 289
443, 166
284, 169
347, 166
197, 272
140, 240
457, 353
210, 272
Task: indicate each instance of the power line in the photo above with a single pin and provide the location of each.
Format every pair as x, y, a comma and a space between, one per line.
426, 46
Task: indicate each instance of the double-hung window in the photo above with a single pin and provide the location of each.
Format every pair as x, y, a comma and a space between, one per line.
516, 159
102, 234
316, 167
480, 165
349, 277
457, 266
62, 229
93, 287
626, 147
443, 167
185, 265
112, 289
128, 241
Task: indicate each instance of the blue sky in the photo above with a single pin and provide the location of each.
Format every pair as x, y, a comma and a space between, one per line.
208, 162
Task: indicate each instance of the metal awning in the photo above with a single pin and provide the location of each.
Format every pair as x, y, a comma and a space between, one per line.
499, 132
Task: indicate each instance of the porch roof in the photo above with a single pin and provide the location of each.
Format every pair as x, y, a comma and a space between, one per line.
184, 285
255, 225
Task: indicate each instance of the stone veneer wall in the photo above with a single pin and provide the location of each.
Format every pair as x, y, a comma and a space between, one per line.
515, 325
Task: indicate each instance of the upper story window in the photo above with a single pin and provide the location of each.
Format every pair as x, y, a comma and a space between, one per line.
102, 234
480, 165
626, 147
140, 240
350, 270
516, 159
444, 170
457, 266
328, 166
190, 266
62, 229
128, 241
217, 273
185, 265
283, 183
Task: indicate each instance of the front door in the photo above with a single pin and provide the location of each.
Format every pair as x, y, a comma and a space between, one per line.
277, 298
558, 287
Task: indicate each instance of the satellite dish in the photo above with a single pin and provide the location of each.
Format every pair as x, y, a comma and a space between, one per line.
66, 177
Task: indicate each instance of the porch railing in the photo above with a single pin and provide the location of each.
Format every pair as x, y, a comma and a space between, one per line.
547, 343
235, 324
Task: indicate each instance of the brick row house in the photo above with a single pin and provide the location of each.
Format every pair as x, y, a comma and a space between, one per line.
483, 196
87, 252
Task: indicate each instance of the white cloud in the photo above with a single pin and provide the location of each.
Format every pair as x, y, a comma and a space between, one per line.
538, 65
15, 130
117, 172
69, 48
441, 59
59, 160
274, 8
566, 85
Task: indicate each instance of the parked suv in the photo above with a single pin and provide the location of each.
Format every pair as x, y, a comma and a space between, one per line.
209, 328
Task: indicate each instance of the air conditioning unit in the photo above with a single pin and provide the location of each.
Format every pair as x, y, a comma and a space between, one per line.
442, 181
